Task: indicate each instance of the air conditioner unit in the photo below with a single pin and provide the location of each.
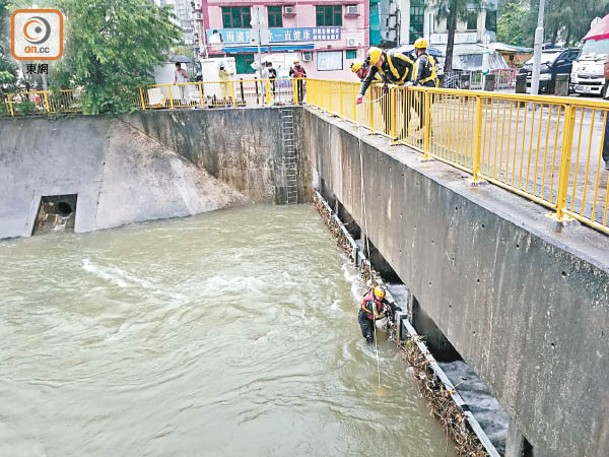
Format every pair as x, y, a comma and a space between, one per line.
289, 9
351, 9
352, 43
307, 56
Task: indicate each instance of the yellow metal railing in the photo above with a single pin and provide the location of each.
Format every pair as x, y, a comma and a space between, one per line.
235, 92
547, 149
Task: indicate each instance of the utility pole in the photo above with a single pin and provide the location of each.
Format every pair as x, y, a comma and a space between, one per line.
256, 24
537, 50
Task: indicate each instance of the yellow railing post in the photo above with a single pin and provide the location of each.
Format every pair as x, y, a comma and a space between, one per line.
10, 105
353, 97
267, 85
426, 96
295, 91
476, 179
46, 101
390, 109
565, 165
142, 101
341, 112
200, 86
370, 121
170, 97
233, 93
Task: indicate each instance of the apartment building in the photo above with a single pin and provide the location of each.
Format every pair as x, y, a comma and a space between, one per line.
184, 18
325, 35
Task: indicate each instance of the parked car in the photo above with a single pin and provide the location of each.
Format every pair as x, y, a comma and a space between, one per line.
554, 61
587, 75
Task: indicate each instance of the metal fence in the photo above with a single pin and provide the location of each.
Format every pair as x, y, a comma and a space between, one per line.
242, 92
503, 79
547, 149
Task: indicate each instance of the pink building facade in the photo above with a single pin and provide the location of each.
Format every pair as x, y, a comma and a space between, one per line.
325, 35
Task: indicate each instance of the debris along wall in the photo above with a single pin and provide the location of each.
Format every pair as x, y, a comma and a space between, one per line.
117, 174
524, 302
241, 147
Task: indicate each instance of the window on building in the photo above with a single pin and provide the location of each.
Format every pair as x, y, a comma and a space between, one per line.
236, 17
329, 60
417, 17
275, 16
472, 20
351, 54
243, 62
329, 15
491, 20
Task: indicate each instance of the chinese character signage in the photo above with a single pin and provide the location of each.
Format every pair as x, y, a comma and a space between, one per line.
276, 35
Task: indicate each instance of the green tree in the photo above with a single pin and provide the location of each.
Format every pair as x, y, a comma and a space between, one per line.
568, 20
111, 46
514, 24
452, 10
8, 68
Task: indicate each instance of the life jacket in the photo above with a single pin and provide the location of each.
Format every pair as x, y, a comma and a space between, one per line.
299, 72
369, 302
428, 75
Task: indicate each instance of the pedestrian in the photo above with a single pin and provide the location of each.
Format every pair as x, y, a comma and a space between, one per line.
299, 74
272, 76
373, 308
396, 65
424, 75
225, 81
180, 76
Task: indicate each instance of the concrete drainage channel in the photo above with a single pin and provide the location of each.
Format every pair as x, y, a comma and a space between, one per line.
434, 385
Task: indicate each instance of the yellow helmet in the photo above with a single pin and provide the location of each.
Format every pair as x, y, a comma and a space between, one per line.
379, 292
421, 43
374, 54
357, 65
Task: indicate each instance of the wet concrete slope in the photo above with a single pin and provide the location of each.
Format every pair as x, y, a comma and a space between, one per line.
119, 175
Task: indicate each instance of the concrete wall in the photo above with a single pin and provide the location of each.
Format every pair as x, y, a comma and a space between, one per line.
120, 175
240, 147
525, 302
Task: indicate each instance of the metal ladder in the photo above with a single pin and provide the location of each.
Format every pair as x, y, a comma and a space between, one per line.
290, 162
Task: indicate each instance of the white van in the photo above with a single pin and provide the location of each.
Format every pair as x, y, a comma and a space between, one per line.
587, 74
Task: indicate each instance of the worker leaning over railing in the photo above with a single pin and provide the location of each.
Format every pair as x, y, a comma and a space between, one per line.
396, 66
361, 68
424, 74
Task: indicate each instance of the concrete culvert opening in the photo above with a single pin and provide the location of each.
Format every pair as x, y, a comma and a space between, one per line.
64, 209
56, 213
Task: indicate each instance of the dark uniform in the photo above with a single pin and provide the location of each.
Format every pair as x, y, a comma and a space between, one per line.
396, 68
371, 309
424, 74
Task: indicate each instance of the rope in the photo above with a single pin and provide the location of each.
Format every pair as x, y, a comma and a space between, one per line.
363, 204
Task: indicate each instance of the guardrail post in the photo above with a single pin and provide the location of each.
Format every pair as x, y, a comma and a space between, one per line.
201, 101
353, 97
142, 101
341, 112
565, 166
427, 126
476, 179
170, 97
390, 108
267, 85
10, 105
295, 91
45, 94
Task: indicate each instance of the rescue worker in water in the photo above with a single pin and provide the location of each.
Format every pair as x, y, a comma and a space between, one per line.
374, 307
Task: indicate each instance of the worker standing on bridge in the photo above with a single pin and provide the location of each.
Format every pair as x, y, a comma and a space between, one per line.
396, 66
424, 74
374, 307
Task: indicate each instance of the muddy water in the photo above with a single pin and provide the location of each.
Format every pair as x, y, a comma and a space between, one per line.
232, 333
